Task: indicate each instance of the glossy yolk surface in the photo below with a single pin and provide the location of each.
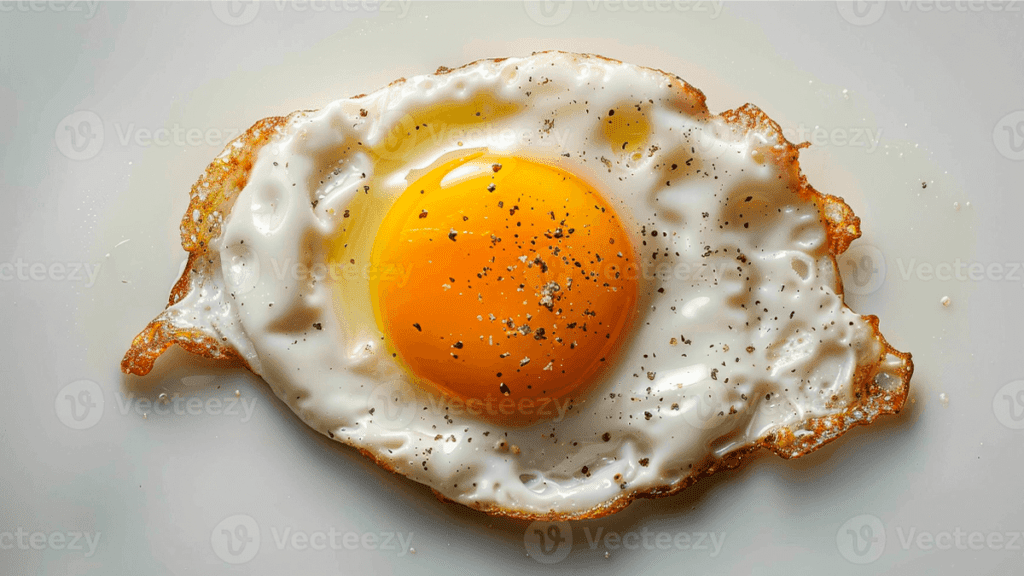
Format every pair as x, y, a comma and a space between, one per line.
520, 283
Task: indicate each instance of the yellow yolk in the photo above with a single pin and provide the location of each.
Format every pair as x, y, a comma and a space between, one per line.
520, 284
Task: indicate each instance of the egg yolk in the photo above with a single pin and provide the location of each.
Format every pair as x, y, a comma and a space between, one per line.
519, 284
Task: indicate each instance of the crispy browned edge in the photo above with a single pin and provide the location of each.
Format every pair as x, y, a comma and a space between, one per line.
213, 195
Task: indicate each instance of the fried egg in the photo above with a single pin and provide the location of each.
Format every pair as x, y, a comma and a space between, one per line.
541, 286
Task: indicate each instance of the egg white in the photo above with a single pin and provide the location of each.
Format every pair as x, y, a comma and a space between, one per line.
741, 333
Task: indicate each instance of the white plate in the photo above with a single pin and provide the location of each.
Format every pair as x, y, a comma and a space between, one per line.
894, 96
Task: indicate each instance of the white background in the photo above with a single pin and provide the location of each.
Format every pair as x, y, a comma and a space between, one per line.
938, 86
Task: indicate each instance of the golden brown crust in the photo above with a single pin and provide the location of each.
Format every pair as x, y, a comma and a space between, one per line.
212, 198
214, 194
161, 334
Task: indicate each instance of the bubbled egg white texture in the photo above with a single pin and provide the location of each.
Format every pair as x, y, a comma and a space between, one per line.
738, 329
